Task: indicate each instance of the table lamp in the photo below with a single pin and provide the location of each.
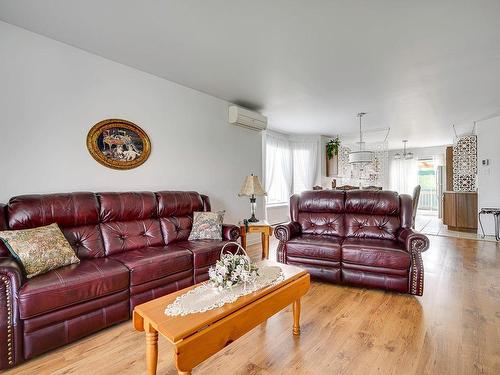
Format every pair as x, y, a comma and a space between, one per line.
252, 187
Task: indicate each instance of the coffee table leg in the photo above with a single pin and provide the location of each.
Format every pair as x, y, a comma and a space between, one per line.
296, 317
151, 350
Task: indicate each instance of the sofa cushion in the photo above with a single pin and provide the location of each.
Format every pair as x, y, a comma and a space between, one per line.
315, 246
77, 214
372, 226
319, 223
372, 214
372, 202
176, 228
175, 211
319, 212
121, 236
127, 206
151, 263
86, 240
375, 252
178, 203
205, 252
67, 210
331, 201
129, 221
66, 286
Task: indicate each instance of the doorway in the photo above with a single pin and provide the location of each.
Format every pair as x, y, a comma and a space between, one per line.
428, 203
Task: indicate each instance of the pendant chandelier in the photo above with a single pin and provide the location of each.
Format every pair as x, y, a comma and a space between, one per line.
362, 156
405, 155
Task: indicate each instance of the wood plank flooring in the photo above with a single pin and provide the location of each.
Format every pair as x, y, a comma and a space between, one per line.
453, 329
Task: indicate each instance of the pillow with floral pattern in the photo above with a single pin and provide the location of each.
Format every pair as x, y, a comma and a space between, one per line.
207, 226
39, 250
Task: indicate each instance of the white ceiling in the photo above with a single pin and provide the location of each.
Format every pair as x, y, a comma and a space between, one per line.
310, 66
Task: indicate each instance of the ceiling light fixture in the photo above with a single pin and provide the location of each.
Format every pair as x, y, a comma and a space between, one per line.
362, 156
405, 155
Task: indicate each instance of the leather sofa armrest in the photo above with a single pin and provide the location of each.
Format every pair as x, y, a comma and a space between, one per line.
285, 232
230, 232
413, 241
11, 278
415, 244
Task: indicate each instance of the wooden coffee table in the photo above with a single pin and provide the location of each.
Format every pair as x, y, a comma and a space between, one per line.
198, 336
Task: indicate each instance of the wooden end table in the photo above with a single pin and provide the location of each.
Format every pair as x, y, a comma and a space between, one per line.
265, 231
198, 336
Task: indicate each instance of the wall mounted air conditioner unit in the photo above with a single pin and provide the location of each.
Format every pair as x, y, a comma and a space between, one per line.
247, 119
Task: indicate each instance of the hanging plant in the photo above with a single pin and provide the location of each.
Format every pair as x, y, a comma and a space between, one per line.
332, 147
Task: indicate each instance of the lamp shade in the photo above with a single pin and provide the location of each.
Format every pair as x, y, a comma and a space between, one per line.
251, 186
361, 157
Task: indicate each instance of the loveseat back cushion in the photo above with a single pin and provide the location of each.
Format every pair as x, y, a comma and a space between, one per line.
319, 212
128, 221
372, 214
77, 214
175, 211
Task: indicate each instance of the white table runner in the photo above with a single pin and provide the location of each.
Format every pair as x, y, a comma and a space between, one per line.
207, 297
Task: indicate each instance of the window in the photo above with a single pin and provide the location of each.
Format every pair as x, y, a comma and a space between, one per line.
290, 167
305, 165
278, 170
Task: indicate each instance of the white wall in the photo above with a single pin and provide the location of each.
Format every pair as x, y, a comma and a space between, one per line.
52, 94
488, 146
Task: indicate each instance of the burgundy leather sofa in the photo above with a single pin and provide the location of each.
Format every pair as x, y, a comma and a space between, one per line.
133, 247
359, 237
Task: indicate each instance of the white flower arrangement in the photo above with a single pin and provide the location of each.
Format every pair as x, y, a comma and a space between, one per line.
233, 269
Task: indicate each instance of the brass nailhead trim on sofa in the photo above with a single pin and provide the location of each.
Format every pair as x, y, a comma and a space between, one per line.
6, 282
417, 283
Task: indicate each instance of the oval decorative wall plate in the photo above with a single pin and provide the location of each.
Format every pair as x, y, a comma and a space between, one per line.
118, 144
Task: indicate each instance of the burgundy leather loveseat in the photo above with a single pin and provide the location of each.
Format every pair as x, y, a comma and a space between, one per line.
133, 247
359, 237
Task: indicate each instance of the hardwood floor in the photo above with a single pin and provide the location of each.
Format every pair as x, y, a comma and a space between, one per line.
453, 329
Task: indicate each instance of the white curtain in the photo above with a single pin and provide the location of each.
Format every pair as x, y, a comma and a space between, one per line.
305, 165
287, 168
403, 176
278, 168
438, 160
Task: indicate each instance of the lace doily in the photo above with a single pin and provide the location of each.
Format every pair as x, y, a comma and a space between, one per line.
207, 297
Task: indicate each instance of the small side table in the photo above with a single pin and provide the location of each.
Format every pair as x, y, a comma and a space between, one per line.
265, 231
496, 217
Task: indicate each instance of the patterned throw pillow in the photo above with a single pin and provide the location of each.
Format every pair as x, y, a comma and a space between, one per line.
39, 250
207, 226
